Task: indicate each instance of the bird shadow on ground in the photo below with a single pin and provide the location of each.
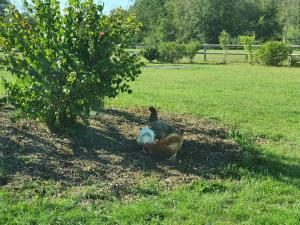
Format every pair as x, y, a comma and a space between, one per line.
106, 152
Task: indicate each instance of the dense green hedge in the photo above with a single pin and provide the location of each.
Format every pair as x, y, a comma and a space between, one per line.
273, 53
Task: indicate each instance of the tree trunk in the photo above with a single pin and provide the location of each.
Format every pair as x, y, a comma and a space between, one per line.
286, 21
65, 120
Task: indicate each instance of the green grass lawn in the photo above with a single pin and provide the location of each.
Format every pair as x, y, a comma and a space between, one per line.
262, 102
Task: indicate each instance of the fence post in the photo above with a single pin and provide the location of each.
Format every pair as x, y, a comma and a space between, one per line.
204, 52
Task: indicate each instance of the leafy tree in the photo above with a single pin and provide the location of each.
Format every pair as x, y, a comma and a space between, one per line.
289, 17
184, 19
224, 40
235, 16
203, 20
268, 26
216, 16
68, 62
248, 42
166, 31
150, 14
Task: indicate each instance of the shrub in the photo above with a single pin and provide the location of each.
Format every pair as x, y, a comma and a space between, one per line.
248, 42
150, 53
68, 62
224, 40
191, 50
170, 52
273, 53
295, 60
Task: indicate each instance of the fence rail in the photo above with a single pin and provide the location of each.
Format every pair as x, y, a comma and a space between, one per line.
216, 46
206, 48
238, 46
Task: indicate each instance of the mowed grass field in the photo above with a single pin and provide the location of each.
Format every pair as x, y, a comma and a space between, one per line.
260, 106
261, 100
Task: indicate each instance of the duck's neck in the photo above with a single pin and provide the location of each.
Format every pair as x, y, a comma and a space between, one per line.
153, 116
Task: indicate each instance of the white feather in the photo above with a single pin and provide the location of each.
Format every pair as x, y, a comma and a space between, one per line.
146, 136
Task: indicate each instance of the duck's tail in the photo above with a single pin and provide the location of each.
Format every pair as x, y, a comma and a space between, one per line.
154, 115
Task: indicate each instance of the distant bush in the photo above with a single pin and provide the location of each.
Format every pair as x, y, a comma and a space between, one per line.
191, 50
170, 52
150, 53
273, 53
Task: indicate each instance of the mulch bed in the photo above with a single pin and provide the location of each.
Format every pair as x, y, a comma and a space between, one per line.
106, 151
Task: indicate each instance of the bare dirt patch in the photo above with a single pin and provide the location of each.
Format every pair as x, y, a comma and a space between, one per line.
106, 152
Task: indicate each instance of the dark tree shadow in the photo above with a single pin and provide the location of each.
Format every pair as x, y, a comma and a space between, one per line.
106, 151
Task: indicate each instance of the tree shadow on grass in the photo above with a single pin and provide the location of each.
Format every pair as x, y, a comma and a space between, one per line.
256, 161
106, 152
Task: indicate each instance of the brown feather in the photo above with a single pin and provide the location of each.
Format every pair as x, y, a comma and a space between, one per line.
166, 147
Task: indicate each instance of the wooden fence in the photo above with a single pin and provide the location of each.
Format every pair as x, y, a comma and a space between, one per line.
206, 48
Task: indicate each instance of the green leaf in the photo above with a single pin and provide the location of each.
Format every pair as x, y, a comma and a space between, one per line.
62, 65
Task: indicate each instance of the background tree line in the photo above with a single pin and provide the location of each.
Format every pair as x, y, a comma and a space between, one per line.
204, 20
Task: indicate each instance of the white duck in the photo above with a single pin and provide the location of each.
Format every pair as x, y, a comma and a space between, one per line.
146, 136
